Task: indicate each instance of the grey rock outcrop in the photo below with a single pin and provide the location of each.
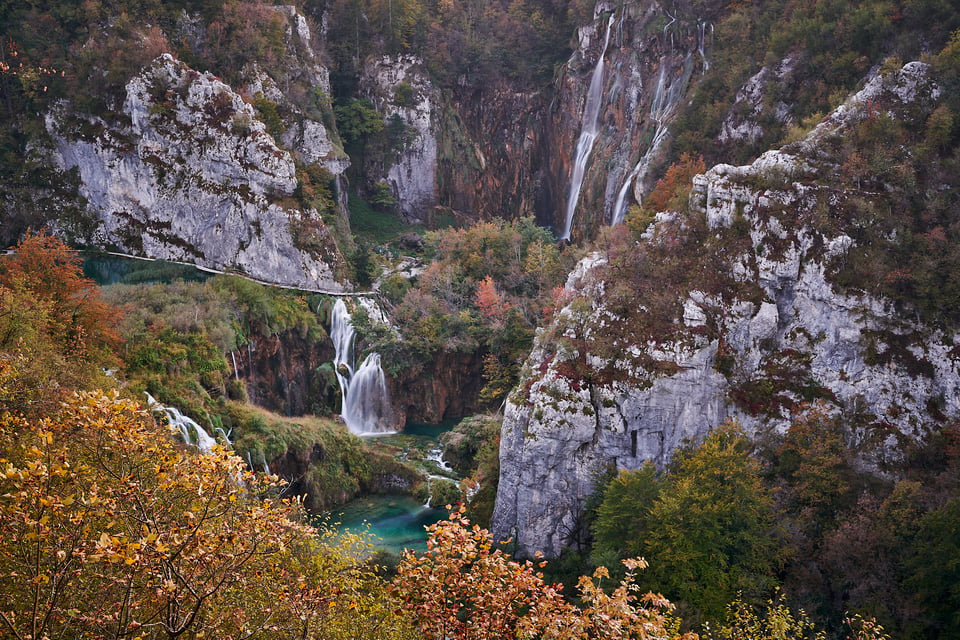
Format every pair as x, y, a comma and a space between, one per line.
401, 90
191, 175
796, 338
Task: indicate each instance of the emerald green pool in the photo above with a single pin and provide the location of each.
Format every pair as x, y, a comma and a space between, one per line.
395, 522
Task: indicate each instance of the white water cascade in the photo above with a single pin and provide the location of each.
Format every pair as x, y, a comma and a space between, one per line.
702, 42
588, 134
365, 397
190, 430
662, 108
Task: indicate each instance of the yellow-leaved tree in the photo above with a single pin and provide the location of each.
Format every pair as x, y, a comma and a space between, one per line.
111, 528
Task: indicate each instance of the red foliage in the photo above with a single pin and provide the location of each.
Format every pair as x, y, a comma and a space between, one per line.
48, 271
491, 303
677, 179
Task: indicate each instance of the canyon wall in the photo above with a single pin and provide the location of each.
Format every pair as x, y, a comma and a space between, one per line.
188, 171
773, 334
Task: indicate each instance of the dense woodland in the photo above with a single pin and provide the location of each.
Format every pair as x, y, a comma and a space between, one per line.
113, 527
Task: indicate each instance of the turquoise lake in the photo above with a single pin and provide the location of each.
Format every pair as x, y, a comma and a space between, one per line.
395, 522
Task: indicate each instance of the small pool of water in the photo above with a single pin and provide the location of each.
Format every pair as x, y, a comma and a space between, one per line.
105, 269
396, 522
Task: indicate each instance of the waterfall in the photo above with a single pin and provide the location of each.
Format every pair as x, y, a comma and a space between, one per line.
436, 455
662, 106
702, 43
588, 134
190, 430
365, 397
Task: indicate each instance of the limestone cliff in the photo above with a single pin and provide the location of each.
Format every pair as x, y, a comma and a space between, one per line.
754, 327
403, 93
187, 169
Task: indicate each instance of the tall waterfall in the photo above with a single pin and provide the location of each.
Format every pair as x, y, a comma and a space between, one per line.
588, 134
702, 42
666, 97
365, 397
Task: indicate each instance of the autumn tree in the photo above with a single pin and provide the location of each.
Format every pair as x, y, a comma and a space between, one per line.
715, 533
707, 525
111, 528
464, 587
492, 306
814, 462
77, 317
53, 321
671, 191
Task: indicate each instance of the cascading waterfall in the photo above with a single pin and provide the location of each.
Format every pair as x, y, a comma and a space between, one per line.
665, 100
365, 397
658, 109
588, 134
702, 43
190, 430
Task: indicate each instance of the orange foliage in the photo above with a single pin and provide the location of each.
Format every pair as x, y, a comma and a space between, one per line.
110, 528
491, 303
675, 182
45, 270
464, 588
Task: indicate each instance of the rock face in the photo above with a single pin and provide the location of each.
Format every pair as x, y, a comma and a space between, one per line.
284, 373
448, 389
781, 332
402, 92
186, 170
193, 177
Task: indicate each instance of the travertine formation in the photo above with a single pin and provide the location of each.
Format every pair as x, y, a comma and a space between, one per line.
188, 172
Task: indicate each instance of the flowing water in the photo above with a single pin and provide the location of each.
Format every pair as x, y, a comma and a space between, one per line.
663, 106
190, 430
365, 398
588, 134
395, 521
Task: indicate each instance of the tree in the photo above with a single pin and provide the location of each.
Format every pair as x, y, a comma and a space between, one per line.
814, 461
357, 120
109, 528
714, 533
777, 622
542, 263
671, 191
466, 588
491, 304
623, 517
934, 570
77, 317
54, 325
